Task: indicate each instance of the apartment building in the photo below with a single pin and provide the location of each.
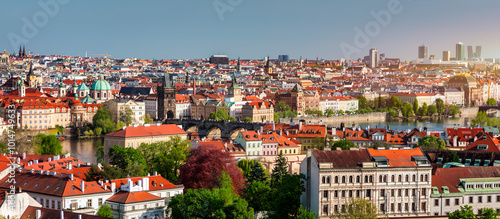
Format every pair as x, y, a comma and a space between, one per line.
398, 182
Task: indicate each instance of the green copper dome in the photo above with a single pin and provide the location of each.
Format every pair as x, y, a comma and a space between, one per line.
100, 85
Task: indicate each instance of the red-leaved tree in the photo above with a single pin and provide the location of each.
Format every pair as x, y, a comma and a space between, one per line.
204, 167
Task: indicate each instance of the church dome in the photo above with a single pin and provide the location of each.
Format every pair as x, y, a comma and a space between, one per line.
100, 85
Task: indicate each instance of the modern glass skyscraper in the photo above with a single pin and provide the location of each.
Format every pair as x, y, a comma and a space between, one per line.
446, 55
374, 58
470, 52
478, 51
460, 51
423, 52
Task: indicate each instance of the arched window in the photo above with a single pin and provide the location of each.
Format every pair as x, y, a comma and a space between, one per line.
358, 178
426, 179
336, 179
323, 179
328, 179
343, 179
350, 179
371, 178
366, 179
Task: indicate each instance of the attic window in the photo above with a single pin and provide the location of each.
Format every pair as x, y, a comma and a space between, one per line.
445, 189
25, 183
47, 187
482, 147
58, 188
36, 185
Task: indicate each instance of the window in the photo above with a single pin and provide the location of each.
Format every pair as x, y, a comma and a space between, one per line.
399, 192
413, 178
53, 204
498, 198
447, 202
407, 178
424, 193
406, 207
421, 177
99, 202
368, 193
343, 193
392, 178
392, 192
413, 191
323, 179
59, 205
336, 208
385, 178
400, 178
413, 206
392, 207
488, 199
382, 207
436, 202
325, 194
325, 209
471, 200
350, 193
89, 203
380, 179
426, 178
336, 179
343, 179
382, 192
371, 178
47, 203
399, 207
350, 179
335, 194
480, 199
424, 207
358, 179
366, 179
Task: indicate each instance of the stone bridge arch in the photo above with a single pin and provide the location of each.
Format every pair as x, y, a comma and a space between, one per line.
214, 132
235, 132
192, 128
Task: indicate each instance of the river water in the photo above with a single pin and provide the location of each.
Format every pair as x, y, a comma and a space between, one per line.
84, 149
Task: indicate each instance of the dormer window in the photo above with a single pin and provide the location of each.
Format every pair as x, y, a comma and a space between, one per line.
482, 147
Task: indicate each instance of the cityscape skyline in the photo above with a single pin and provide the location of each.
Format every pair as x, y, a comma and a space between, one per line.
175, 30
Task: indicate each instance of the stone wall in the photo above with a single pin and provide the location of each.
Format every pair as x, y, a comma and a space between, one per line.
469, 111
336, 120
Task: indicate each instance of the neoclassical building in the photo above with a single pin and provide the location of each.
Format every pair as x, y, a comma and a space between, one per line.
473, 93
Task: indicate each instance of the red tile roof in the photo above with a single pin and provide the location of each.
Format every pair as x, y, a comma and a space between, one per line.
153, 130
450, 177
398, 158
342, 159
46, 213
133, 197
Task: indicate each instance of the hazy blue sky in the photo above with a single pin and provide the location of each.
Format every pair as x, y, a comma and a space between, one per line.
250, 28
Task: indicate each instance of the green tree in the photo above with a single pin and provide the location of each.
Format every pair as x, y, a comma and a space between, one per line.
362, 102
130, 160
395, 102
219, 202
3, 149
104, 211
257, 173
465, 212
431, 142
148, 119
282, 107
126, 116
314, 112
60, 129
99, 153
304, 213
165, 157
440, 106
488, 213
285, 198
276, 118
49, 145
279, 171
257, 195
431, 110
232, 119
344, 144
453, 157
415, 106
454, 110
107, 172
245, 166
491, 101
98, 131
329, 112
407, 110
423, 110
103, 120
481, 119
358, 209
247, 119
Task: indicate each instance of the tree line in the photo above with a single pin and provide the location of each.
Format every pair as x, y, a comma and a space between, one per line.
393, 105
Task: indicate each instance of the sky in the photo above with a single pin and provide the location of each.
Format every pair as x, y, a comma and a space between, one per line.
251, 29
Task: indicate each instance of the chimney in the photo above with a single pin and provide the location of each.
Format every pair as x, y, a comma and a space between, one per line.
78, 165
130, 185
124, 127
261, 129
139, 183
82, 184
38, 214
35, 161
41, 172
67, 155
49, 159
71, 176
300, 126
334, 131
274, 126
55, 158
105, 187
62, 214
113, 187
145, 184
79, 216
309, 153
155, 173
24, 155
70, 166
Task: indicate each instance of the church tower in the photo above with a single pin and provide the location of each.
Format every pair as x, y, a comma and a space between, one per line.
234, 92
166, 99
61, 91
21, 87
238, 67
267, 69
32, 80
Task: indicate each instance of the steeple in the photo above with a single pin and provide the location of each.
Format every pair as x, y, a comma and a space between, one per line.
267, 68
238, 67
20, 54
24, 51
234, 84
166, 81
31, 70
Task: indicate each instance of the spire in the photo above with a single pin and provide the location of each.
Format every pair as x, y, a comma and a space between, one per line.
239, 65
31, 69
166, 80
74, 82
20, 51
24, 51
234, 84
